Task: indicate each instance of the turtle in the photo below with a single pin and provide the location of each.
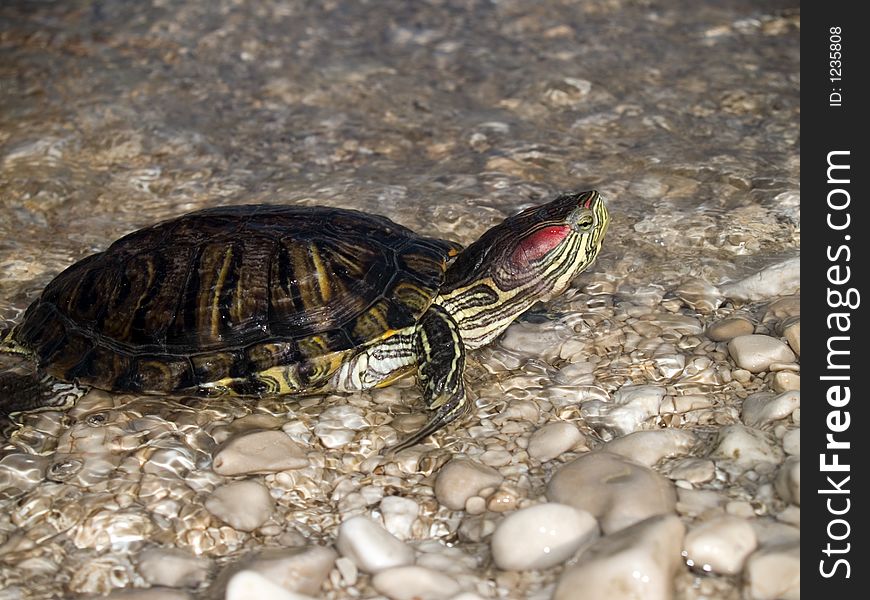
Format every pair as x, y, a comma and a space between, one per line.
260, 300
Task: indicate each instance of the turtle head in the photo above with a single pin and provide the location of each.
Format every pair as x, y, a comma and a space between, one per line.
529, 257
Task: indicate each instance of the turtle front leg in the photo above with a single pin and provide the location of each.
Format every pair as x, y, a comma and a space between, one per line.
440, 369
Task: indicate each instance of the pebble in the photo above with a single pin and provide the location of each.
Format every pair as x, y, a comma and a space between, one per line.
301, 570
259, 452
153, 593
773, 573
173, 567
745, 447
541, 536
791, 442
720, 545
638, 562
371, 547
786, 381
791, 331
726, 329
649, 447
462, 478
778, 279
243, 505
399, 515
756, 353
693, 470
699, 294
250, 585
554, 439
415, 583
788, 480
337, 425
630, 407
615, 490
764, 408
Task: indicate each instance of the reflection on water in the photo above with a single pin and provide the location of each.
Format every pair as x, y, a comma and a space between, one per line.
443, 115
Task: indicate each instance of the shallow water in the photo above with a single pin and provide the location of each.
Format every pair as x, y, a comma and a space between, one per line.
446, 117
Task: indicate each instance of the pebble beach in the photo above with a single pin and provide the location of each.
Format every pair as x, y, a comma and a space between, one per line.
636, 437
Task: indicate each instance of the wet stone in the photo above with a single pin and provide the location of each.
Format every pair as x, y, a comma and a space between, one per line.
756, 353
773, 573
745, 447
541, 536
462, 478
615, 490
726, 329
788, 480
301, 570
250, 585
720, 545
173, 567
554, 439
399, 515
637, 562
630, 406
415, 583
259, 452
649, 447
791, 442
777, 279
243, 505
693, 470
764, 408
371, 547
791, 331
786, 381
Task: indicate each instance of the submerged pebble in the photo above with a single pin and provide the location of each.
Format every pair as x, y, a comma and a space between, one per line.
462, 478
637, 562
615, 490
720, 545
173, 567
371, 547
244, 505
259, 452
554, 439
774, 573
250, 585
649, 447
541, 536
415, 583
756, 353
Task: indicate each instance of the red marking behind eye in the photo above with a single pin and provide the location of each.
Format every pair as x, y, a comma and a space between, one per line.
539, 243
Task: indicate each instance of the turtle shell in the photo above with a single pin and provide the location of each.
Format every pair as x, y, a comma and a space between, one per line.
230, 292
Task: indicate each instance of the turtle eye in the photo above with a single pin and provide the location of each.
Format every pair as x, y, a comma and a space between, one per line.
585, 223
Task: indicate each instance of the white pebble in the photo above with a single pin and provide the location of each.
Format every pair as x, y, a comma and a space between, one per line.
637, 562
764, 408
248, 585
649, 447
337, 425
541, 536
630, 407
791, 442
259, 452
243, 505
693, 470
173, 567
792, 334
745, 447
720, 545
301, 570
756, 353
399, 515
785, 381
153, 593
788, 480
617, 491
726, 329
462, 478
415, 583
371, 547
774, 573
778, 279
554, 439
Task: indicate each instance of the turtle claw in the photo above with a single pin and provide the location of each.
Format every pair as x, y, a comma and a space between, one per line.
448, 411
